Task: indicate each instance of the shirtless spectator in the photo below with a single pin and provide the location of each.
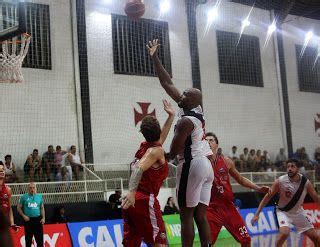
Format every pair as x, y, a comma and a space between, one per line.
33, 166
48, 162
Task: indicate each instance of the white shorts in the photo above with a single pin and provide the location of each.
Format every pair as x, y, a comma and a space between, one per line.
194, 182
298, 219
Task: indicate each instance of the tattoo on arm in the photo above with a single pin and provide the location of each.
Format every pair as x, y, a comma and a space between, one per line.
135, 178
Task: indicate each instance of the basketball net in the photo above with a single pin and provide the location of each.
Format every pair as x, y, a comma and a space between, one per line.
11, 58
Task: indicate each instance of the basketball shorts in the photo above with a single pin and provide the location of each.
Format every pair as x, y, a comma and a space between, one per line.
298, 219
228, 216
194, 182
143, 222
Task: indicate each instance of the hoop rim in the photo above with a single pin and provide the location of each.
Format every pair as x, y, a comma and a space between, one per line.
26, 35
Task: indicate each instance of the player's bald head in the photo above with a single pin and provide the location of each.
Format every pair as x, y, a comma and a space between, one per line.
191, 98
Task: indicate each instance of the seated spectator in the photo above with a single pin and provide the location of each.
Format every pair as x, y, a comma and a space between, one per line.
48, 162
234, 154
304, 158
58, 162
10, 169
280, 158
114, 199
244, 158
60, 215
33, 166
258, 157
74, 162
267, 156
170, 207
252, 160
264, 164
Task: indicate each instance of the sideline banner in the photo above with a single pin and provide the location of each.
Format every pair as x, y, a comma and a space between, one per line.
55, 235
313, 213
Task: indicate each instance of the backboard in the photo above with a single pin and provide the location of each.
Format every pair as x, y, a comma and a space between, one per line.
12, 19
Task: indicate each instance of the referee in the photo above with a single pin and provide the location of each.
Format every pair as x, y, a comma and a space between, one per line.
31, 209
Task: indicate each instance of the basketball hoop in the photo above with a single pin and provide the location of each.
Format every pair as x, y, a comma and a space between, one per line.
11, 58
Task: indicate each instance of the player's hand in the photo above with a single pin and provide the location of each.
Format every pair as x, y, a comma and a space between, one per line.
128, 200
42, 221
15, 227
254, 219
153, 47
168, 107
264, 189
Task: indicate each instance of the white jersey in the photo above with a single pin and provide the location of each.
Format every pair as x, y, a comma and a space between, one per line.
196, 143
287, 191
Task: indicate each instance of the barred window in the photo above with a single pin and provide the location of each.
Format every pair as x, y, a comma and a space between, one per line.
38, 25
239, 60
130, 55
308, 69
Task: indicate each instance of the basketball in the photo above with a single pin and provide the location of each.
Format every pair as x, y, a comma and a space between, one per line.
134, 9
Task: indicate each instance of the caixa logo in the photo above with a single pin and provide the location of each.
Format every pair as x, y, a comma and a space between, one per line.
313, 215
48, 240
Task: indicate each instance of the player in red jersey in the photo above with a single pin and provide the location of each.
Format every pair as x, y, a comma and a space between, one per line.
5, 197
221, 210
141, 209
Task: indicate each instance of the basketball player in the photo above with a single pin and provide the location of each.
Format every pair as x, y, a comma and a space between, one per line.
5, 198
292, 188
141, 209
194, 171
221, 210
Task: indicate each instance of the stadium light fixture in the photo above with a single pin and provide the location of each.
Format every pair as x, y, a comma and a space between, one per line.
212, 14
164, 6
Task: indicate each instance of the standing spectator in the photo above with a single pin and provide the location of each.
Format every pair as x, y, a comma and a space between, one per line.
33, 165
234, 154
267, 156
31, 209
170, 207
252, 160
244, 158
48, 161
280, 158
74, 161
10, 169
60, 215
58, 162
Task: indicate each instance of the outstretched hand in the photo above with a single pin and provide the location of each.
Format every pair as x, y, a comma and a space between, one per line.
168, 107
254, 219
153, 47
265, 190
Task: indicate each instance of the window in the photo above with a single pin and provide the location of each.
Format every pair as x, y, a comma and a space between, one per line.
38, 25
308, 69
130, 55
239, 60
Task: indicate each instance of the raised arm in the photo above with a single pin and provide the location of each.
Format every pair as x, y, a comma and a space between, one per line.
168, 123
163, 75
149, 158
266, 199
183, 129
242, 180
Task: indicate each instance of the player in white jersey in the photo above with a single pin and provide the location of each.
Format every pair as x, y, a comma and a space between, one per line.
292, 189
194, 172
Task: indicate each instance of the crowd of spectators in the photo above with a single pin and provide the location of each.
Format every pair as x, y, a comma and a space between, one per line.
53, 165
260, 161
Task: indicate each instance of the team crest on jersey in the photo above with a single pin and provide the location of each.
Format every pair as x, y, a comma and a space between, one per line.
222, 170
5, 196
162, 235
288, 194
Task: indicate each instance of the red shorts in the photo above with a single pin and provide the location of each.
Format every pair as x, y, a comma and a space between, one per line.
143, 222
228, 216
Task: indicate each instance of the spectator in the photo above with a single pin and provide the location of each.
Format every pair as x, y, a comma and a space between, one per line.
114, 199
170, 207
48, 162
31, 209
252, 160
234, 154
60, 215
10, 169
33, 166
258, 157
304, 158
280, 158
74, 162
244, 158
267, 156
58, 162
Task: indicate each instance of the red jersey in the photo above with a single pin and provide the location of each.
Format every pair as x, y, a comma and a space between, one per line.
5, 199
221, 191
152, 179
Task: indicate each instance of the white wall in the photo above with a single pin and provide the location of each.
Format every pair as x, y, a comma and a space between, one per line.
113, 96
303, 105
240, 115
42, 110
